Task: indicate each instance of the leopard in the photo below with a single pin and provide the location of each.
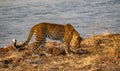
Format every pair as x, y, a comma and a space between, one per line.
66, 34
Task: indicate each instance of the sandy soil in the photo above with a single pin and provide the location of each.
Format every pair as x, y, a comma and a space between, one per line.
97, 53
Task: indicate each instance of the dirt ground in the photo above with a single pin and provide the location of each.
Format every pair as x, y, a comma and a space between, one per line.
96, 53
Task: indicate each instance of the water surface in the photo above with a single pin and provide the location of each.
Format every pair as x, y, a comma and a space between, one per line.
87, 16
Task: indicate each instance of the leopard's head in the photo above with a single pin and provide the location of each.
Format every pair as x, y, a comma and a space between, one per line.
76, 39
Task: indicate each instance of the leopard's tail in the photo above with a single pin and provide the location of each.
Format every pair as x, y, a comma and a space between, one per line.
26, 42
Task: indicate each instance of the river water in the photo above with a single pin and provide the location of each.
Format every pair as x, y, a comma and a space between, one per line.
87, 16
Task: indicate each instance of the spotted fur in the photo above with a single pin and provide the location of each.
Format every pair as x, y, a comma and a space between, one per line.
64, 33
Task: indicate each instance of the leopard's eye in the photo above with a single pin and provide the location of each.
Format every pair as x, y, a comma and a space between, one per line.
78, 38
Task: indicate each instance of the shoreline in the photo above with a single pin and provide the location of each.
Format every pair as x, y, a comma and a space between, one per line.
97, 53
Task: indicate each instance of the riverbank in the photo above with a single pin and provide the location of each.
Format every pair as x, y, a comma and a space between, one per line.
97, 53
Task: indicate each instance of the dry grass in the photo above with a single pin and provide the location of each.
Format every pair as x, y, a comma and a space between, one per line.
97, 53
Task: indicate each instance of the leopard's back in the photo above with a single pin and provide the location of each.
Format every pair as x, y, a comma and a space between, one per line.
55, 31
